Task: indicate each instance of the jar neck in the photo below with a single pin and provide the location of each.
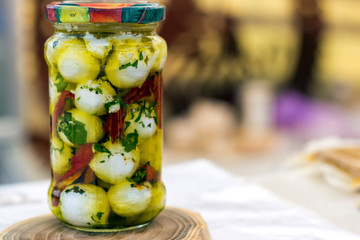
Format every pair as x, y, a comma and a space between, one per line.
79, 28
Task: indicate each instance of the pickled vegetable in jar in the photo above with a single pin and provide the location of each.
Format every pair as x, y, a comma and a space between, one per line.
105, 82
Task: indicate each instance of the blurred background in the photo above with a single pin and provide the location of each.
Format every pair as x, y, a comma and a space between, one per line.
247, 82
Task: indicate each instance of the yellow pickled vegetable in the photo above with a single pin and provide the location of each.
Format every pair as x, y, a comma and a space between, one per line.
112, 164
99, 48
54, 209
84, 205
77, 65
160, 47
129, 67
157, 203
128, 200
57, 45
151, 151
91, 96
60, 156
141, 118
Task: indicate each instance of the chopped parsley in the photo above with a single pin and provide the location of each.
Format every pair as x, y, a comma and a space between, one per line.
130, 142
127, 125
98, 91
117, 100
142, 109
148, 110
60, 84
141, 56
71, 101
59, 149
74, 130
138, 178
91, 89
97, 217
75, 189
129, 64
142, 124
101, 148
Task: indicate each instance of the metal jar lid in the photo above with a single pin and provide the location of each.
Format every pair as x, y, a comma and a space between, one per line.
105, 12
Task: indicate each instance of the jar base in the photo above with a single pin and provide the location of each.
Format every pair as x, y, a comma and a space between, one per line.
110, 230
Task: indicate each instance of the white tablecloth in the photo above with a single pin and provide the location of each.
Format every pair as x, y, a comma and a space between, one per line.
232, 207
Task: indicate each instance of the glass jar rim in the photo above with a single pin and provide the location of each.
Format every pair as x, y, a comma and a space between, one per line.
105, 27
139, 12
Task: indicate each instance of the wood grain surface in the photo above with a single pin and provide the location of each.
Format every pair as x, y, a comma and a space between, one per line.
172, 223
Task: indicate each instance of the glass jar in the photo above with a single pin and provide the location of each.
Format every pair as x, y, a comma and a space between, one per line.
105, 72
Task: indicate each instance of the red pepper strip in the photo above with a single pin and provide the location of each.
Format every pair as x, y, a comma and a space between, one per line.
79, 162
60, 107
55, 196
114, 124
151, 174
158, 96
61, 186
138, 93
152, 86
68, 181
90, 176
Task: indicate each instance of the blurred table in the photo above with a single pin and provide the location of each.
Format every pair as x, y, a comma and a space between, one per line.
233, 208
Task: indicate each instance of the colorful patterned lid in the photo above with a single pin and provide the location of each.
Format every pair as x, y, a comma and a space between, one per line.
105, 12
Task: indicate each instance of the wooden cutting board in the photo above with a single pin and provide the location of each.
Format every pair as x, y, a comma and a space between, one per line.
172, 223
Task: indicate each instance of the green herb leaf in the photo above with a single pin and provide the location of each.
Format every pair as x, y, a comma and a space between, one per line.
117, 100
135, 64
98, 90
141, 56
74, 130
60, 84
127, 125
142, 124
130, 142
142, 109
140, 176
127, 65
58, 149
97, 217
75, 189
101, 148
